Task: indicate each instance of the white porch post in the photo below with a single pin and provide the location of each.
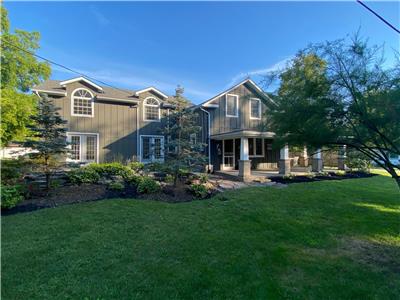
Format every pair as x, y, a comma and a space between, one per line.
342, 158
244, 162
303, 159
284, 161
317, 164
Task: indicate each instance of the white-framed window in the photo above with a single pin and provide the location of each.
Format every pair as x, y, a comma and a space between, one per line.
82, 104
255, 108
193, 138
84, 147
151, 109
232, 105
151, 148
256, 147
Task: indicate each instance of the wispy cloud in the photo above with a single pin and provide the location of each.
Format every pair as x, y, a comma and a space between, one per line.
124, 79
259, 72
100, 18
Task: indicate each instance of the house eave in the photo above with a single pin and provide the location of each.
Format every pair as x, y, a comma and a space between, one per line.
243, 133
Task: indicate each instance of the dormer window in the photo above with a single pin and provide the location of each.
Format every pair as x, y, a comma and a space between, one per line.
232, 104
151, 109
255, 108
82, 104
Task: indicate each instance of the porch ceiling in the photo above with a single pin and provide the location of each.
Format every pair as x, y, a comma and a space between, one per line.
242, 133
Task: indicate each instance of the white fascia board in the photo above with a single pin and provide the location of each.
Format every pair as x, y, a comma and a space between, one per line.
116, 99
210, 105
151, 89
63, 83
50, 92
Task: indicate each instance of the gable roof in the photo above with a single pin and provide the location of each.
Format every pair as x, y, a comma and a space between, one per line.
259, 91
57, 88
91, 83
151, 88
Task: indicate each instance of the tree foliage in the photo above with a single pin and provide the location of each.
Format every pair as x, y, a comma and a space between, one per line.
340, 93
180, 151
20, 71
49, 138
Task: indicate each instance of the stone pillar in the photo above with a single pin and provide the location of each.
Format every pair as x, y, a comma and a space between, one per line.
303, 159
342, 158
244, 162
317, 161
284, 161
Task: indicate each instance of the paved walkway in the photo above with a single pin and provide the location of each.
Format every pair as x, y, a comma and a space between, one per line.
226, 184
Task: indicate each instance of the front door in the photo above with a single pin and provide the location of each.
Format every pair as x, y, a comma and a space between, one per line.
152, 148
228, 152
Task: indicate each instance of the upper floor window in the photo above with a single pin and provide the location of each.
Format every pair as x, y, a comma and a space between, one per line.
232, 104
151, 109
82, 103
255, 108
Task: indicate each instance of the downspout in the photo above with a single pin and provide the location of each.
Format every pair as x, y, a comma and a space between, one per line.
209, 136
137, 134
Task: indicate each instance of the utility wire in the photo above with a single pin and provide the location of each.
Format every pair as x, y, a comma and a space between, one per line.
381, 18
62, 66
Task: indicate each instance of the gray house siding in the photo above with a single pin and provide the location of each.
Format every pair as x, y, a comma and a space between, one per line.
220, 123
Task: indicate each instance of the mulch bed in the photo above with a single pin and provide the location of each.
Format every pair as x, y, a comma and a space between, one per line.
329, 176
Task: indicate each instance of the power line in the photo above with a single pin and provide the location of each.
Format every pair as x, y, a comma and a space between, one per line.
62, 66
381, 18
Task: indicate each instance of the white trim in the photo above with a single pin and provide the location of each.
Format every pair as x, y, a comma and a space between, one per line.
254, 147
237, 106
241, 133
259, 109
71, 133
151, 89
63, 83
152, 155
151, 105
50, 92
72, 103
211, 105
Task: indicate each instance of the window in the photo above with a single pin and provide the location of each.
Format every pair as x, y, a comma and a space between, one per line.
256, 147
83, 147
193, 139
255, 108
232, 103
151, 109
82, 103
152, 148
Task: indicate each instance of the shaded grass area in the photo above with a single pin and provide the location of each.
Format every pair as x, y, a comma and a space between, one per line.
332, 239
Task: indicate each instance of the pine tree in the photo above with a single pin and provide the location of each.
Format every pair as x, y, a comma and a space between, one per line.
181, 151
49, 138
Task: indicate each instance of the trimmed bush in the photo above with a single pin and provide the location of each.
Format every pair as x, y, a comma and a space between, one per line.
116, 186
11, 195
110, 169
136, 166
148, 185
199, 190
13, 170
83, 175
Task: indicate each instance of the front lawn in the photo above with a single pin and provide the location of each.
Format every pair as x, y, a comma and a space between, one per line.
332, 239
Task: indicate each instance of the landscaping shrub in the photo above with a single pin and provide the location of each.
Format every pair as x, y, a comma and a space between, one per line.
83, 175
110, 169
116, 186
13, 170
148, 185
136, 166
203, 178
356, 160
133, 179
199, 190
11, 195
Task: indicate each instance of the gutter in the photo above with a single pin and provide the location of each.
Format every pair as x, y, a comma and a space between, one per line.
209, 136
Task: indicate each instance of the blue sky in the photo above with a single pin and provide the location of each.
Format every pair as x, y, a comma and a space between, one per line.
204, 46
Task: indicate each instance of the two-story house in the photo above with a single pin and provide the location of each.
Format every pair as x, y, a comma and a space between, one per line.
106, 124
234, 129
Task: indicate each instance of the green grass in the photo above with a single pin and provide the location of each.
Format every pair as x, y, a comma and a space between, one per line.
322, 240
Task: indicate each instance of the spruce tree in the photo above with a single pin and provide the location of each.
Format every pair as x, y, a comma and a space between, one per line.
181, 152
49, 138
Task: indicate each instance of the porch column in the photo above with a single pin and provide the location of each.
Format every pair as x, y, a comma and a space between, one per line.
244, 162
317, 161
303, 159
342, 158
284, 161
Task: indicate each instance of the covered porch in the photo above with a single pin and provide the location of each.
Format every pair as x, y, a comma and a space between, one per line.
247, 155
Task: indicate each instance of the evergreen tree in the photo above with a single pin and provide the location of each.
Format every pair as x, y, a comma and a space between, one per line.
49, 138
183, 151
